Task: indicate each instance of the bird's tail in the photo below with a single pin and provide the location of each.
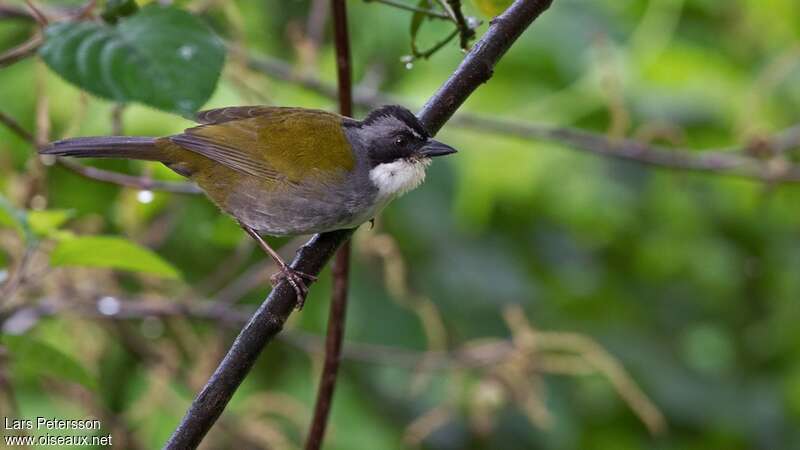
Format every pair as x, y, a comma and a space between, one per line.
106, 147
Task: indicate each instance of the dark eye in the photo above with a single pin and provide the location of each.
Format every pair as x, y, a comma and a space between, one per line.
400, 142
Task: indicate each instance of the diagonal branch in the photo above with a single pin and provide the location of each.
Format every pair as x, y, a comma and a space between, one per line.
21, 51
13, 12
272, 314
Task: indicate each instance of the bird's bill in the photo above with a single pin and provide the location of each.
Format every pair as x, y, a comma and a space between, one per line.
435, 148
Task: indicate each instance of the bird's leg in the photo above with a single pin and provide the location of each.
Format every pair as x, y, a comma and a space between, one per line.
295, 278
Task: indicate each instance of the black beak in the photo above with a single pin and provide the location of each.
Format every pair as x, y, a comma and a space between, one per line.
435, 148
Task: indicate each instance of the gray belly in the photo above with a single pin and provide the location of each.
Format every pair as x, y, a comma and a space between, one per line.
302, 210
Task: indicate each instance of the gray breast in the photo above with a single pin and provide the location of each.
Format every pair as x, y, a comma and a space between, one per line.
304, 208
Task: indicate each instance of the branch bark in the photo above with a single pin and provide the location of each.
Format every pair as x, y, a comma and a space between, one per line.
268, 320
341, 266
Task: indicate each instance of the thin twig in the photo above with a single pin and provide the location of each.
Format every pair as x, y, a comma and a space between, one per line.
479, 63
144, 183
13, 12
465, 32
21, 51
273, 312
16, 128
435, 48
131, 181
731, 162
41, 19
412, 8
341, 266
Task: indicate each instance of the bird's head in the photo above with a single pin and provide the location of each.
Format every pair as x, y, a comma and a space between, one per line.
397, 147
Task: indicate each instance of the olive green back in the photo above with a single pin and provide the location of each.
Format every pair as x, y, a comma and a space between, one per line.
276, 144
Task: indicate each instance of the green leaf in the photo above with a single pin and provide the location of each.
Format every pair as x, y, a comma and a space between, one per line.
111, 252
115, 9
491, 8
45, 222
416, 24
35, 357
161, 56
13, 217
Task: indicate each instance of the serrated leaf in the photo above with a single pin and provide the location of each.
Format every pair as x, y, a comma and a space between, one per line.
161, 56
46, 222
35, 357
110, 252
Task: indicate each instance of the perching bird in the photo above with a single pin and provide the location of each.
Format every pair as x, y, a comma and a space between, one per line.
286, 171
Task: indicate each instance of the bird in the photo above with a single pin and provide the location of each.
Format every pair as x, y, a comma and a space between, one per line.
286, 171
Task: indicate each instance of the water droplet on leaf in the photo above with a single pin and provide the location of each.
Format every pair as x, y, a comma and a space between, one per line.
187, 52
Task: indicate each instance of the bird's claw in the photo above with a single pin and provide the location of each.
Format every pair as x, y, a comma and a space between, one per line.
297, 280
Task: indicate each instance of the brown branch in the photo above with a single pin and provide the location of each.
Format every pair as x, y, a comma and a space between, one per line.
21, 51
731, 162
38, 15
333, 348
131, 181
16, 128
272, 314
13, 12
341, 266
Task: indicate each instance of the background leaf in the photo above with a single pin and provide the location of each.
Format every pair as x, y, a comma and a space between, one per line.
112, 252
416, 22
36, 357
491, 8
15, 218
146, 57
45, 222
115, 9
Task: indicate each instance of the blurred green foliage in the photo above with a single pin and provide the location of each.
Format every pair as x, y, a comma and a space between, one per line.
145, 57
692, 281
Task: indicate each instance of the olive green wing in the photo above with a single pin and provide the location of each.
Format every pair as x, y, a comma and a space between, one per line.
279, 144
221, 115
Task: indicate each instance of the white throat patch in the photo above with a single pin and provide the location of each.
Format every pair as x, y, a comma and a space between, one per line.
398, 177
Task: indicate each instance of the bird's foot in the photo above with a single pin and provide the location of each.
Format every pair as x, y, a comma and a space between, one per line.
297, 280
